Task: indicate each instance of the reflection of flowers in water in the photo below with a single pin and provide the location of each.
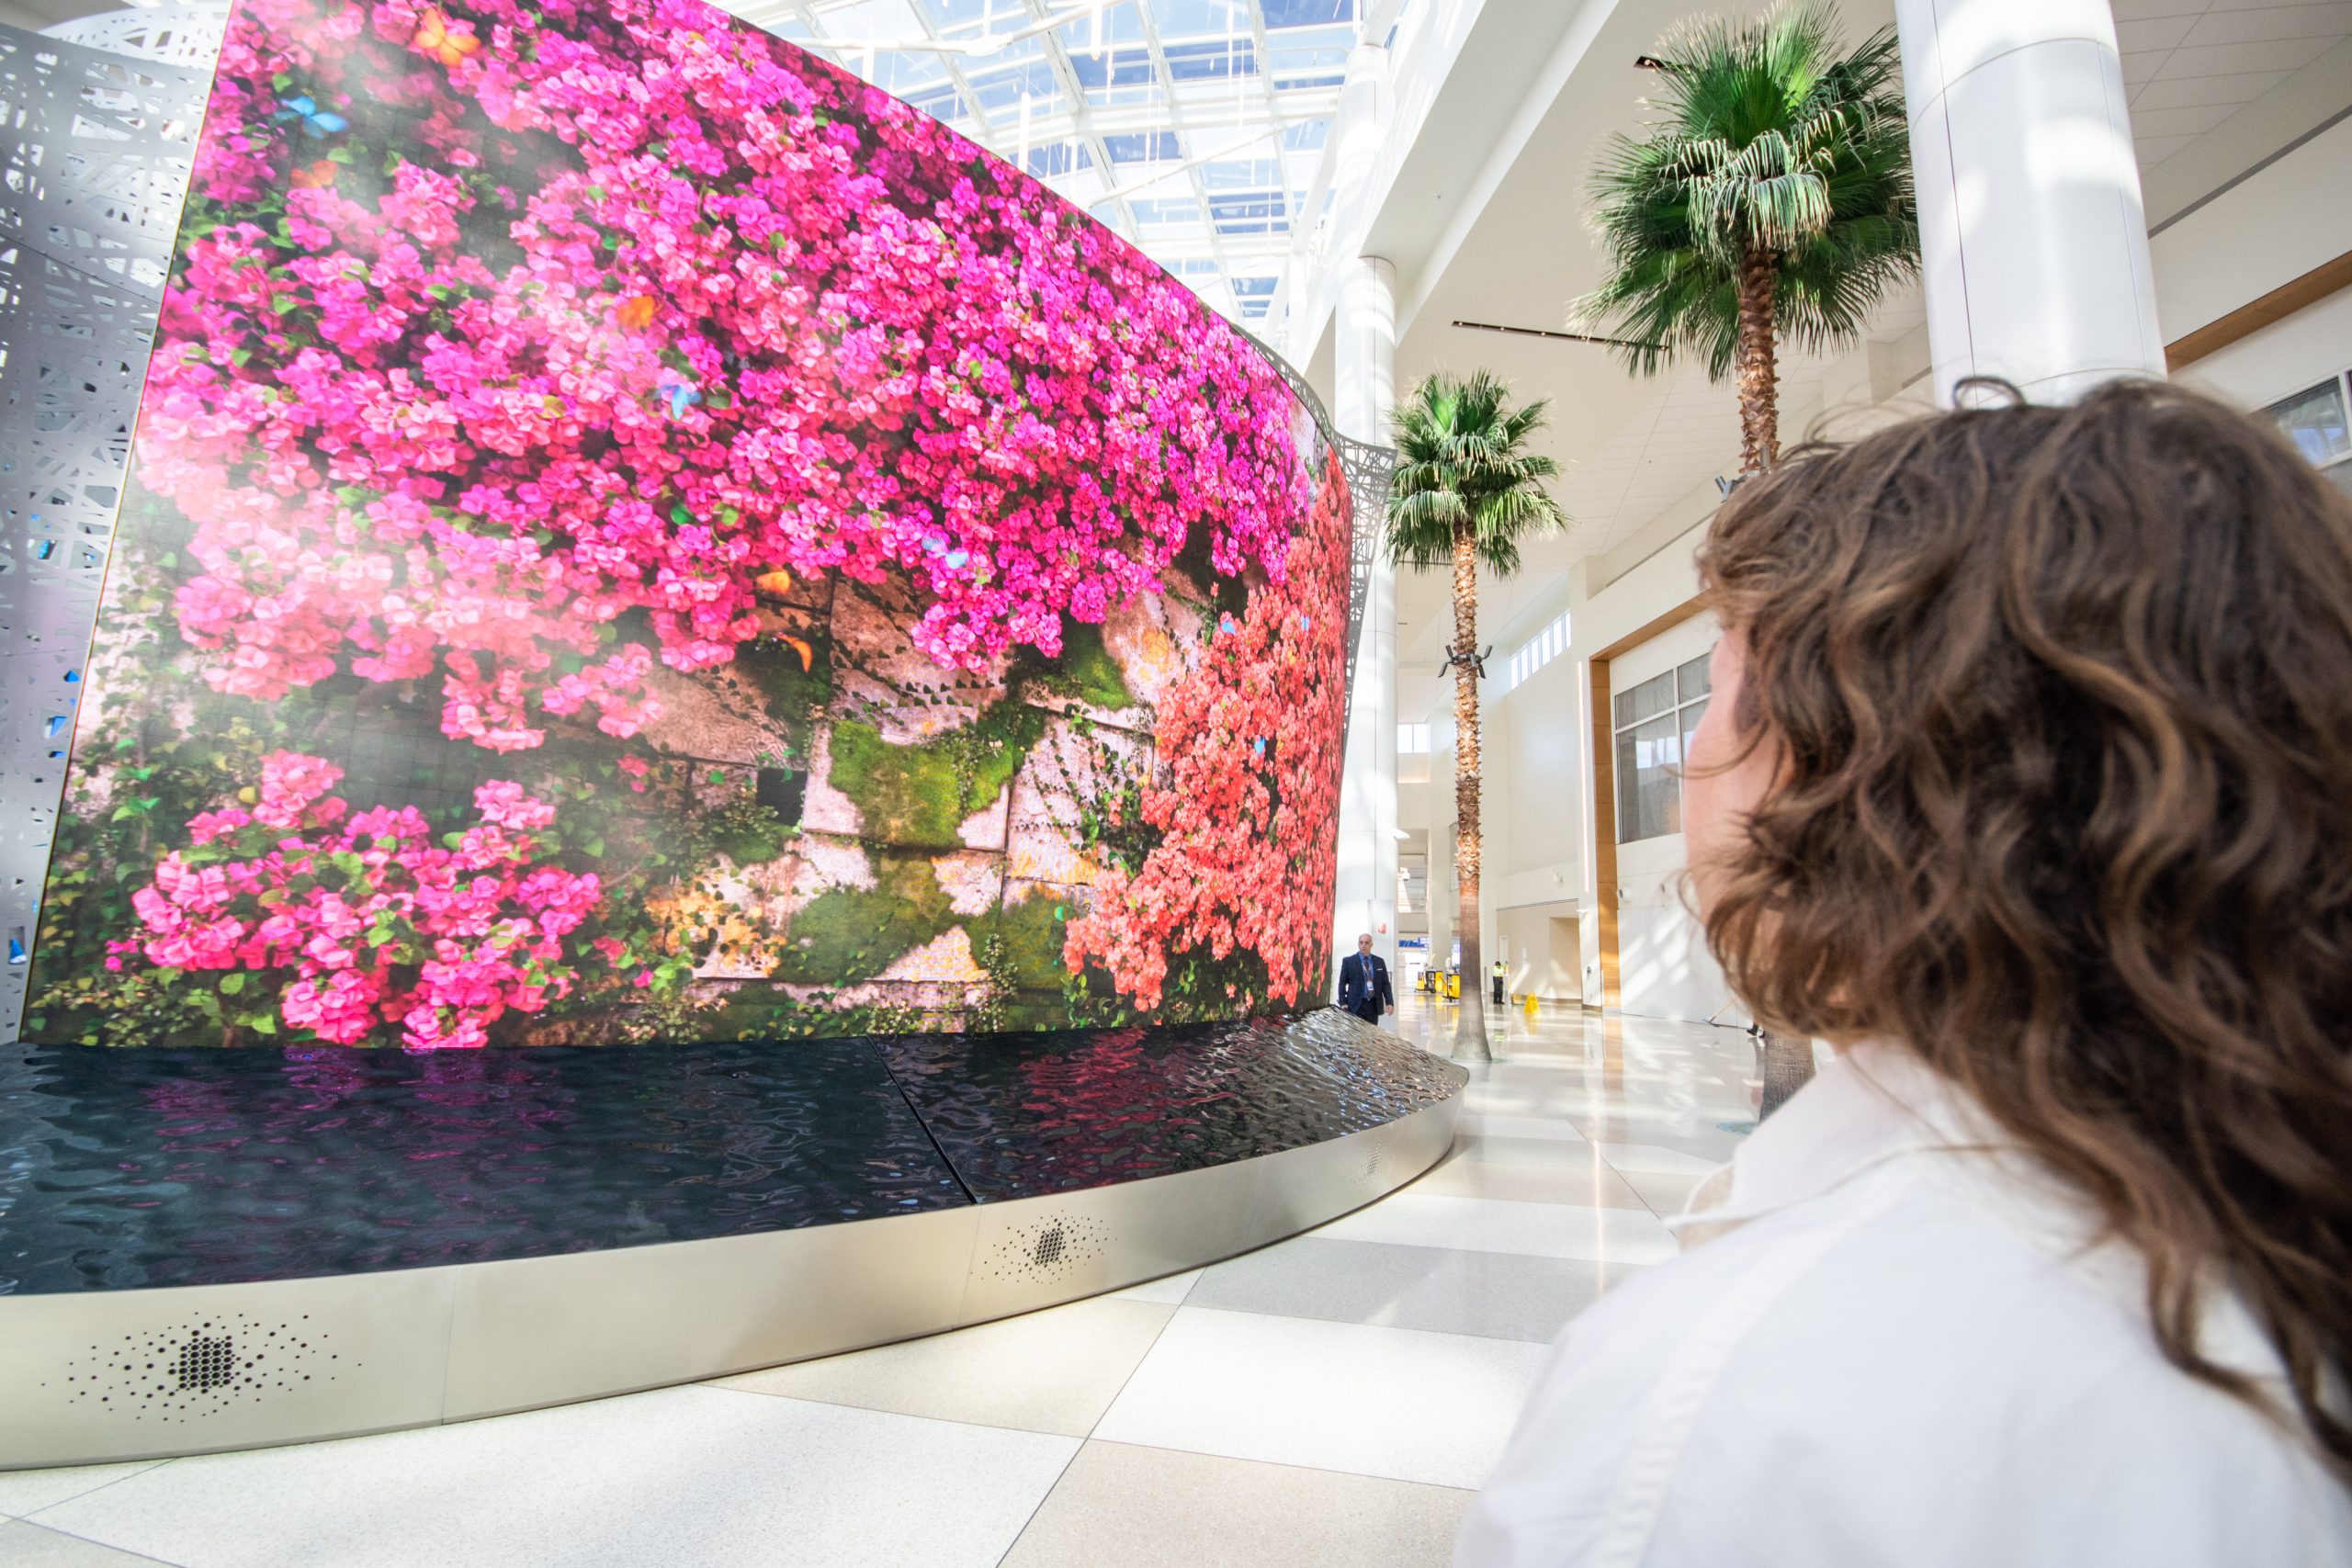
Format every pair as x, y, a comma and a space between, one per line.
364, 918
1246, 802
595, 309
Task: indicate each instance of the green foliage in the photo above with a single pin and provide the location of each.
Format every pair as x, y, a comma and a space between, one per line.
1110, 818
1770, 141
920, 794
1023, 950
1085, 672
1461, 464
747, 832
859, 930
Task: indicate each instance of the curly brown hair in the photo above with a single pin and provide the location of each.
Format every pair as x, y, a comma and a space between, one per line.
2061, 702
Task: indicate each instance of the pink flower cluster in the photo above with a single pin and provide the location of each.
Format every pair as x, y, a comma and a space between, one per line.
1247, 793
498, 327
362, 918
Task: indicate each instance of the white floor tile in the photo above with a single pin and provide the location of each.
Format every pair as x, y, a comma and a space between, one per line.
1055, 1370
678, 1479
1650, 1159
1482, 1123
29, 1491
1397, 1403
1120, 1506
1494, 1224
26, 1545
1169, 1291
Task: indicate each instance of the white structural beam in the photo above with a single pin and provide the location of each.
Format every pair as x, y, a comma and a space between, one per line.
2033, 239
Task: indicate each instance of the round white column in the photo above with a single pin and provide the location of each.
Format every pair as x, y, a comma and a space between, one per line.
1364, 350
2032, 235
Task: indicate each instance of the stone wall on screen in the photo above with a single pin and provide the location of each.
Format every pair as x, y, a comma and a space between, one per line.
635, 534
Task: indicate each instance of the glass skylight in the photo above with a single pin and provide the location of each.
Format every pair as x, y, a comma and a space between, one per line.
1192, 127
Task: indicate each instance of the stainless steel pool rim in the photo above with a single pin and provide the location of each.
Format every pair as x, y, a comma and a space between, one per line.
82, 1380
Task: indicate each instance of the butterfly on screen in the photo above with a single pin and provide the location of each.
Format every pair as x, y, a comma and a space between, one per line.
808, 654
636, 312
315, 176
435, 38
779, 583
936, 543
1258, 746
1225, 625
316, 122
682, 396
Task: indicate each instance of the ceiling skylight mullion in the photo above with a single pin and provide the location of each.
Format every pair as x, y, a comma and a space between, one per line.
1176, 116
1081, 111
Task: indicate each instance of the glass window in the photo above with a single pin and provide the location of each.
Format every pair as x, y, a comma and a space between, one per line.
1692, 679
1690, 717
1655, 722
1650, 799
2315, 421
1652, 696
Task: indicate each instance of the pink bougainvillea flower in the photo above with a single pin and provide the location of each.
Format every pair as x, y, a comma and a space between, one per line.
436, 941
426, 430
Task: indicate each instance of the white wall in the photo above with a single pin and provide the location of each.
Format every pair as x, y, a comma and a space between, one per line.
2220, 244
1535, 805
1663, 965
2209, 262
1539, 947
2283, 359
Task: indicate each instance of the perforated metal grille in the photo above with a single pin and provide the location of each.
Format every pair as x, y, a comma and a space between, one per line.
190, 1370
1053, 1247
93, 162
172, 35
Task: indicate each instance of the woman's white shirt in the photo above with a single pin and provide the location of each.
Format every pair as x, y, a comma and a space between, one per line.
1891, 1341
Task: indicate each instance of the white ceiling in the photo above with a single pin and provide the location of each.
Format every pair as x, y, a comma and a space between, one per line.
2190, 65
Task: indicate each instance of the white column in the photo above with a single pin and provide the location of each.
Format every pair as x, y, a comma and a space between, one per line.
2032, 235
1364, 347
1363, 331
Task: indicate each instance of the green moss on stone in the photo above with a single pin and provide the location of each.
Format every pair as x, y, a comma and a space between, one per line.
853, 934
919, 795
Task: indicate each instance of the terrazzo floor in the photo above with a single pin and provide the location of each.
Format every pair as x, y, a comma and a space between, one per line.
1333, 1399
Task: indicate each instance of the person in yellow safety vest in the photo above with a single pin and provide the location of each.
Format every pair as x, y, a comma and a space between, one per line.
1501, 971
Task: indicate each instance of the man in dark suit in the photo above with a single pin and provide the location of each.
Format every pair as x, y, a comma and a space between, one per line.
1364, 983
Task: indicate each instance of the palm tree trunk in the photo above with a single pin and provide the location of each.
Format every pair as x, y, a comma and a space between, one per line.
1755, 364
1788, 1060
1470, 1023
1788, 1066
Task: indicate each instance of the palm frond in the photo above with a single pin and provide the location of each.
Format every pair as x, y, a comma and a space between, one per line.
1465, 473
1768, 137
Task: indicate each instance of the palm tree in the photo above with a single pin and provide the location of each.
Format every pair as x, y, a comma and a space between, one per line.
1771, 201
1465, 492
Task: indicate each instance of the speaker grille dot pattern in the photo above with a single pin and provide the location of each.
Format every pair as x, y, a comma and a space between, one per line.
1052, 1247
200, 1367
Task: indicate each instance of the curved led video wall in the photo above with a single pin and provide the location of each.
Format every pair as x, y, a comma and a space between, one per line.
635, 534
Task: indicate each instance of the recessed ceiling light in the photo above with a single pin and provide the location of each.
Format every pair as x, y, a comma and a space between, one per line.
1649, 62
